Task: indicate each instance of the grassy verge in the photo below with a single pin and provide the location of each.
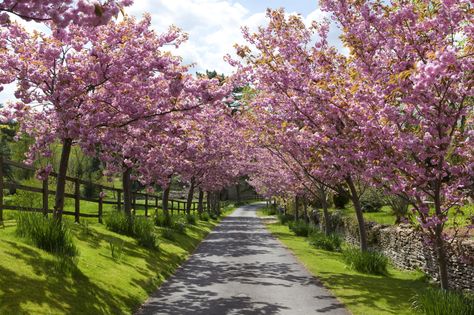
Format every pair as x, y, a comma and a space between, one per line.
385, 215
32, 283
362, 294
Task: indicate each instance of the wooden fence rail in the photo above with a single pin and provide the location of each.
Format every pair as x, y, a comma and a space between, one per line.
173, 205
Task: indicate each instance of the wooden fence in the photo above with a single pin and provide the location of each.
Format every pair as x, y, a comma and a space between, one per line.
150, 200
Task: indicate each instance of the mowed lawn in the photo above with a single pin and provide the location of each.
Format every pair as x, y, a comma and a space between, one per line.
362, 294
32, 281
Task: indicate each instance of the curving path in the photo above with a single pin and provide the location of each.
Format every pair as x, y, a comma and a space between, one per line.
240, 268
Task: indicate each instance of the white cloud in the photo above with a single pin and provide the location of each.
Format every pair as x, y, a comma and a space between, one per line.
214, 26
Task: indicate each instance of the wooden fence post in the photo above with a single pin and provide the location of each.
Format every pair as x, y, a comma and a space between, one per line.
100, 208
45, 197
77, 200
172, 206
1, 189
156, 203
146, 205
119, 200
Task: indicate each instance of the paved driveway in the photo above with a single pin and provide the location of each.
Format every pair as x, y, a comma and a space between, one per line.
240, 268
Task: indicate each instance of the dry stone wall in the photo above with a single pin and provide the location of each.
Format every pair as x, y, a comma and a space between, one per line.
407, 250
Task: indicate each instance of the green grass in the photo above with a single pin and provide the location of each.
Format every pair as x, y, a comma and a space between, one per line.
99, 283
386, 217
362, 294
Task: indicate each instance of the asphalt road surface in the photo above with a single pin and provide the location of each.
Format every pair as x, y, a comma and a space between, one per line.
240, 268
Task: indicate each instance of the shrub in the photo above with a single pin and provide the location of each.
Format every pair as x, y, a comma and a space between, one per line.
168, 234
191, 219
372, 201
140, 228
340, 200
270, 210
119, 222
434, 301
163, 220
213, 216
284, 218
369, 262
204, 216
46, 233
179, 225
331, 242
116, 249
144, 231
300, 227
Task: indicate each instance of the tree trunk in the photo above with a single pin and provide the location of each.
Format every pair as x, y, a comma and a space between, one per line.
127, 191
190, 197
305, 210
360, 217
327, 218
440, 246
61, 179
164, 202
200, 203
296, 208
237, 190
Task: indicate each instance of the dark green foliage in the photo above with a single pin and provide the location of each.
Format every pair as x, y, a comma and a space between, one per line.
434, 301
144, 231
119, 222
46, 233
163, 220
191, 219
372, 201
116, 249
270, 210
213, 216
331, 242
300, 227
285, 218
369, 262
141, 229
340, 200
204, 216
179, 225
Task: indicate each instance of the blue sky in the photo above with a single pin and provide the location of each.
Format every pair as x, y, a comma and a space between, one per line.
304, 7
213, 26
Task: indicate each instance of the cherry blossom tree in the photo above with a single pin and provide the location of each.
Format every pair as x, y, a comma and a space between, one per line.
62, 12
304, 85
418, 60
88, 79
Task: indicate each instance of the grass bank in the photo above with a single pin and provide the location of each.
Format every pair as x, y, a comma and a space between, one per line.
362, 294
35, 282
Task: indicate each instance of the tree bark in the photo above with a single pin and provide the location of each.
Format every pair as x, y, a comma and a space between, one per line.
327, 218
305, 210
127, 192
208, 202
200, 202
440, 246
360, 217
237, 190
190, 197
164, 202
61, 179
296, 208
